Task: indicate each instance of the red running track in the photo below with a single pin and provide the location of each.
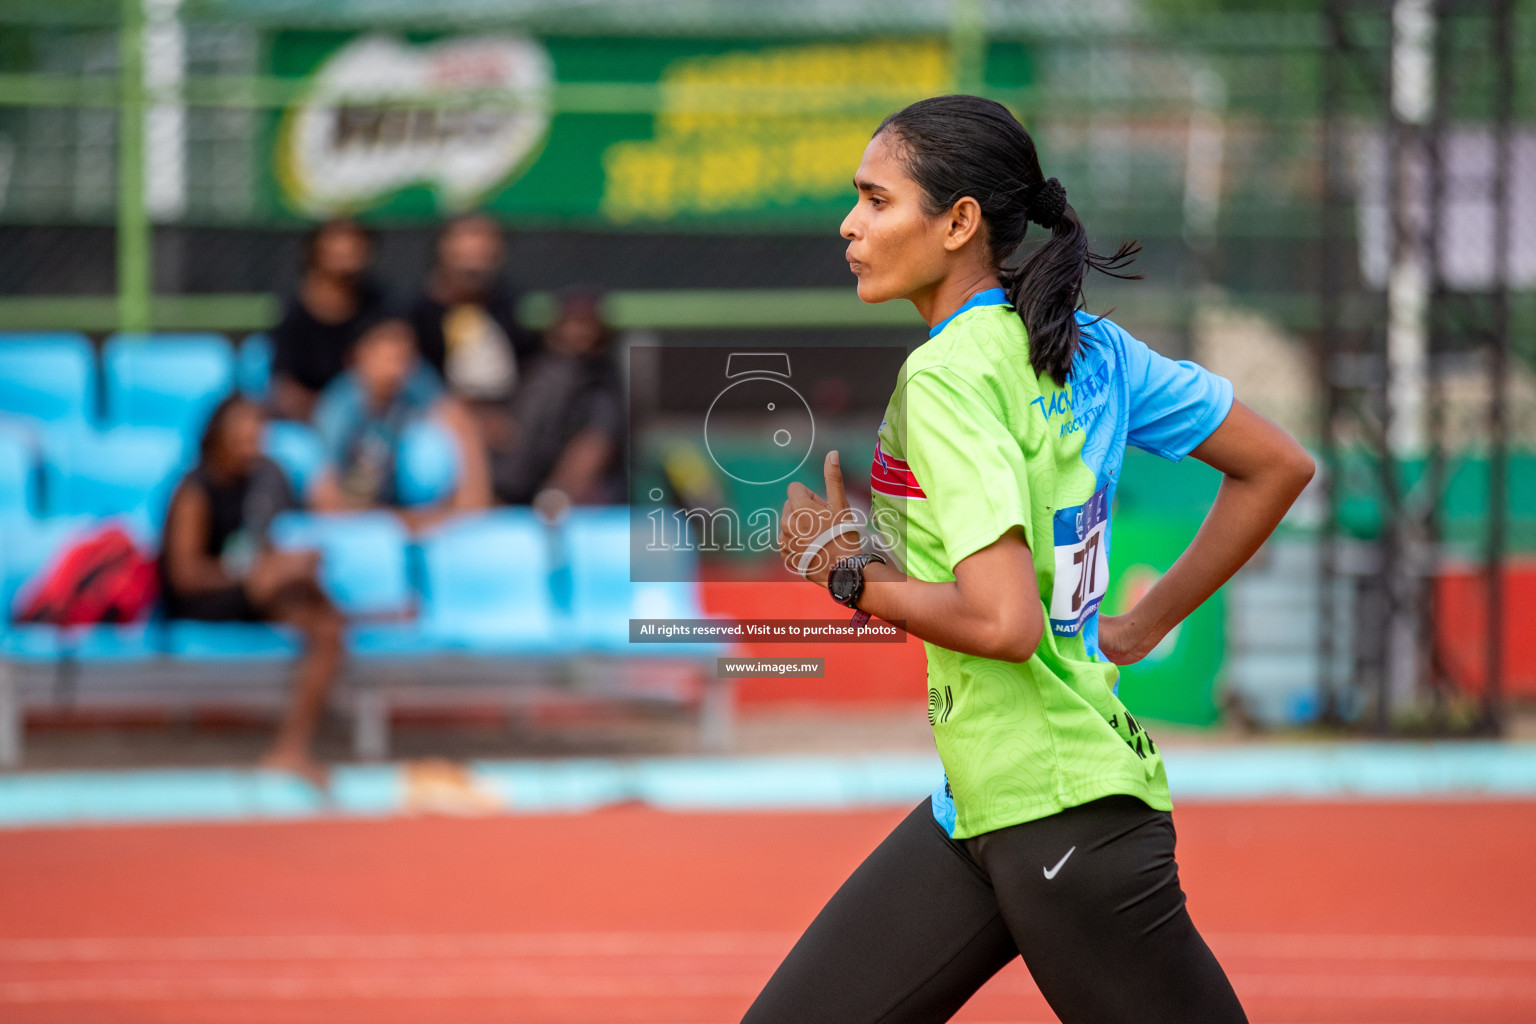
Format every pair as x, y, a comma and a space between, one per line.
1404, 913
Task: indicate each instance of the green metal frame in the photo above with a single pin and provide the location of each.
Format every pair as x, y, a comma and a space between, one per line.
134, 240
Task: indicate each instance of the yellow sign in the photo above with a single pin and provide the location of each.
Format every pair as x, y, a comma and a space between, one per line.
778, 126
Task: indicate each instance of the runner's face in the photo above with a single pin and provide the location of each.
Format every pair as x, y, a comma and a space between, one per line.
894, 247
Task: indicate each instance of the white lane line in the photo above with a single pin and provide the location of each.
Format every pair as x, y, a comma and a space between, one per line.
1460, 988
370, 947
532, 985
538, 985
1275, 945
1282, 945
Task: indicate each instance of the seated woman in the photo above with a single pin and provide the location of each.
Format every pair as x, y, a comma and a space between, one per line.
363, 417
217, 565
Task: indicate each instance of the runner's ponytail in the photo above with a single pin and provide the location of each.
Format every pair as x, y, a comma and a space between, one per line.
957, 146
1047, 288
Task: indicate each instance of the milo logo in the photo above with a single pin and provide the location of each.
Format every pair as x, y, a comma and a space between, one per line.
463, 116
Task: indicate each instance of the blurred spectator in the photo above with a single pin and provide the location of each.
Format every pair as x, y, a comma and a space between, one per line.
466, 316
217, 565
334, 301
567, 416
364, 415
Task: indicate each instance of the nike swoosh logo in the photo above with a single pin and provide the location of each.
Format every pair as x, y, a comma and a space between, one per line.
1051, 872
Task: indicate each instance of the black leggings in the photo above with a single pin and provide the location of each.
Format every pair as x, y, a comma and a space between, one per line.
1090, 897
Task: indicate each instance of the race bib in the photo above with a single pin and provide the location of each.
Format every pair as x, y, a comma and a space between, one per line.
1082, 563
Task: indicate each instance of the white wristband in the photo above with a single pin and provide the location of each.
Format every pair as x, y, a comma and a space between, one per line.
822, 539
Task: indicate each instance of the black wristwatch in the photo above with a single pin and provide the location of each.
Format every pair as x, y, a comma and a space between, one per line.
846, 580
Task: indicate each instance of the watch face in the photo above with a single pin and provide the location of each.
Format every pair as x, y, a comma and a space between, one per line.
840, 582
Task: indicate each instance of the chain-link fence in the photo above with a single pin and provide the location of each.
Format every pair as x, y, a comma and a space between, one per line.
678, 134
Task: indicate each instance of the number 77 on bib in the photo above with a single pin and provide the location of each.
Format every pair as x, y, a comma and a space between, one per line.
1082, 563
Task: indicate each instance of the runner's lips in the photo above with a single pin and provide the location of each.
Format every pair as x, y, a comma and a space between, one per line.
855, 265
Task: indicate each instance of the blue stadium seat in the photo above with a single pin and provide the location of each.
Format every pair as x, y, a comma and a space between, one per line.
18, 475
26, 549
253, 366
428, 467
231, 641
297, 449
363, 558
487, 585
603, 598
126, 470
50, 378
166, 380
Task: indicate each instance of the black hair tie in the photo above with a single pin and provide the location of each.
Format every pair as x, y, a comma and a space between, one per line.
1047, 200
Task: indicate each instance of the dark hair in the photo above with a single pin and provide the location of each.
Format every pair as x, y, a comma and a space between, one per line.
957, 146
386, 315
585, 300
346, 224
475, 219
214, 428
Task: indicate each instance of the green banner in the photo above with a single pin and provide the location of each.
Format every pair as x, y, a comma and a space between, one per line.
1176, 682
624, 130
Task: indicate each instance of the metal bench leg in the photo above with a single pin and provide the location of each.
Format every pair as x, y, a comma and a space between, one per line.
370, 723
717, 712
11, 721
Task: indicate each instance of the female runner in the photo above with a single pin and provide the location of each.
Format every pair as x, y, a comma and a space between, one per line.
993, 479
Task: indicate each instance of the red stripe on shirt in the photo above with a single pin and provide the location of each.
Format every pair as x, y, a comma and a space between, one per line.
892, 477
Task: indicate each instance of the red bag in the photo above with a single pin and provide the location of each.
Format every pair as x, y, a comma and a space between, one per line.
103, 577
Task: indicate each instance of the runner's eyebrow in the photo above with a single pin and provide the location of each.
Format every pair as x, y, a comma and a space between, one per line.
867, 186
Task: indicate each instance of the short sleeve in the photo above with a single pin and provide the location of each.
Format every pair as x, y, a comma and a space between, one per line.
968, 465
286, 342
603, 411
267, 496
1174, 404
337, 413
422, 388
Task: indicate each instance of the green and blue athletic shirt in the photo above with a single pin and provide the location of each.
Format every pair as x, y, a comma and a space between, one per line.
973, 443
